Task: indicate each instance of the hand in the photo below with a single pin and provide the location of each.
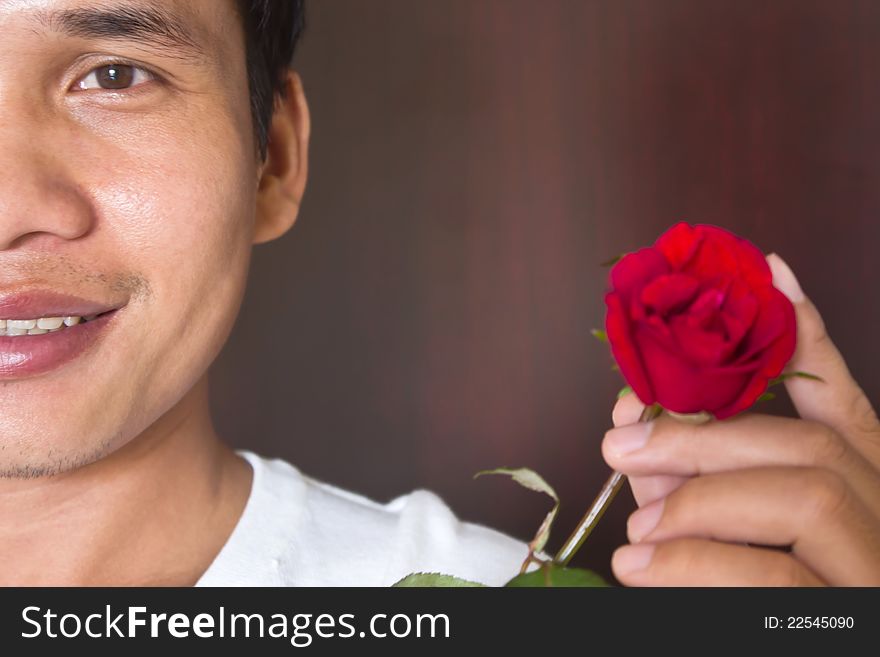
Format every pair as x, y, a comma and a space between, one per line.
757, 500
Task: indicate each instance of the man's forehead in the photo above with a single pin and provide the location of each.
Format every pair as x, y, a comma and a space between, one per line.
194, 26
183, 8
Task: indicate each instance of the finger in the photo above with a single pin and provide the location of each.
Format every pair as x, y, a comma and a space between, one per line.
839, 402
810, 509
648, 489
627, 410
666, 446
645, 490
700, 562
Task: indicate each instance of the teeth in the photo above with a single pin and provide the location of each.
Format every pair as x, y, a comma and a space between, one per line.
39, 326
50, 322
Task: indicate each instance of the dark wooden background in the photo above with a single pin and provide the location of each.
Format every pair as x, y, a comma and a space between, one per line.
473, 161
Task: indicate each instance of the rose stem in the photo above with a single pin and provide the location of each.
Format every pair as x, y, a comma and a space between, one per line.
599, 505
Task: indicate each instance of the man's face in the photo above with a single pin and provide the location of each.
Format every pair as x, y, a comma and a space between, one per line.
129, 178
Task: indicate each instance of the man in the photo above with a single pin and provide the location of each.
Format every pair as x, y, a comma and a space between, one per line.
146, 145
141, 161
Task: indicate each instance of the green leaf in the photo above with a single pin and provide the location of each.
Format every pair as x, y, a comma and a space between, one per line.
552, 575
625, 390
599, 335
613, 261
767, 396
789, 375
533, 481
807, 375
524, 477
415, 580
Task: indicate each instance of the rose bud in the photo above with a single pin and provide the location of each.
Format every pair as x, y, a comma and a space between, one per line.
695, 324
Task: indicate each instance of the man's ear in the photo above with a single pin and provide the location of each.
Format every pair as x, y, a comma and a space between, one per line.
283, 174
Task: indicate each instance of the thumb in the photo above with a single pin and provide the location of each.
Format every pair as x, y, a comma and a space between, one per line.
839, 402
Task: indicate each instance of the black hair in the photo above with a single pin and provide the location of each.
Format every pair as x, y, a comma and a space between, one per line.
272, 29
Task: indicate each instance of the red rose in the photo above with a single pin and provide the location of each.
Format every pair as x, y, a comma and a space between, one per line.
695, 323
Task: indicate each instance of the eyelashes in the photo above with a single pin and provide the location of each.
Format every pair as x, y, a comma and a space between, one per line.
115, 77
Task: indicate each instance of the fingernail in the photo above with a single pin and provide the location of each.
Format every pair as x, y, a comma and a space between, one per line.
628, 438
631, 558
642, 522
784, 279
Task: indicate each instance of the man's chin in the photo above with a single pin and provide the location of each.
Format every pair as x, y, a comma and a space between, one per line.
50, 463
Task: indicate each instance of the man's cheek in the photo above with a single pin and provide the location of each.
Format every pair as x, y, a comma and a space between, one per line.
180, 210
197, 263
176, 193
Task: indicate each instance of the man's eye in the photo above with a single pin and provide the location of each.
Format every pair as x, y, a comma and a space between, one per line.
114, 77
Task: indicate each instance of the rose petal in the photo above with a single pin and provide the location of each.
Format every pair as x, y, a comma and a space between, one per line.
735, 329
739, 311
750, 263
715, 261
636, 270
697, 345
679, 244
775, 317
784, 349
708, 303
618, 328
781, 352
712, 253
686, 388
773, 359
670, 292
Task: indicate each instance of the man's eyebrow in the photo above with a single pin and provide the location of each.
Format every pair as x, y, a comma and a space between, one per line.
151, 27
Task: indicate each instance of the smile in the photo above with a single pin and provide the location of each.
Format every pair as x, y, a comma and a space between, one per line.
48, 340
41, 325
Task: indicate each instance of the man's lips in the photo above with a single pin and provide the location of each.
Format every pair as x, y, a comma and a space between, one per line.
23, 356
46, 303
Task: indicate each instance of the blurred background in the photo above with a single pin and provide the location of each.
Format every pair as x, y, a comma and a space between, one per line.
472, 164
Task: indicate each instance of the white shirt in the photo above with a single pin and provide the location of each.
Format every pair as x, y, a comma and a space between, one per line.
296, 531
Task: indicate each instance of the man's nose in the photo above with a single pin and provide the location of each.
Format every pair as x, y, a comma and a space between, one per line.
40, 199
